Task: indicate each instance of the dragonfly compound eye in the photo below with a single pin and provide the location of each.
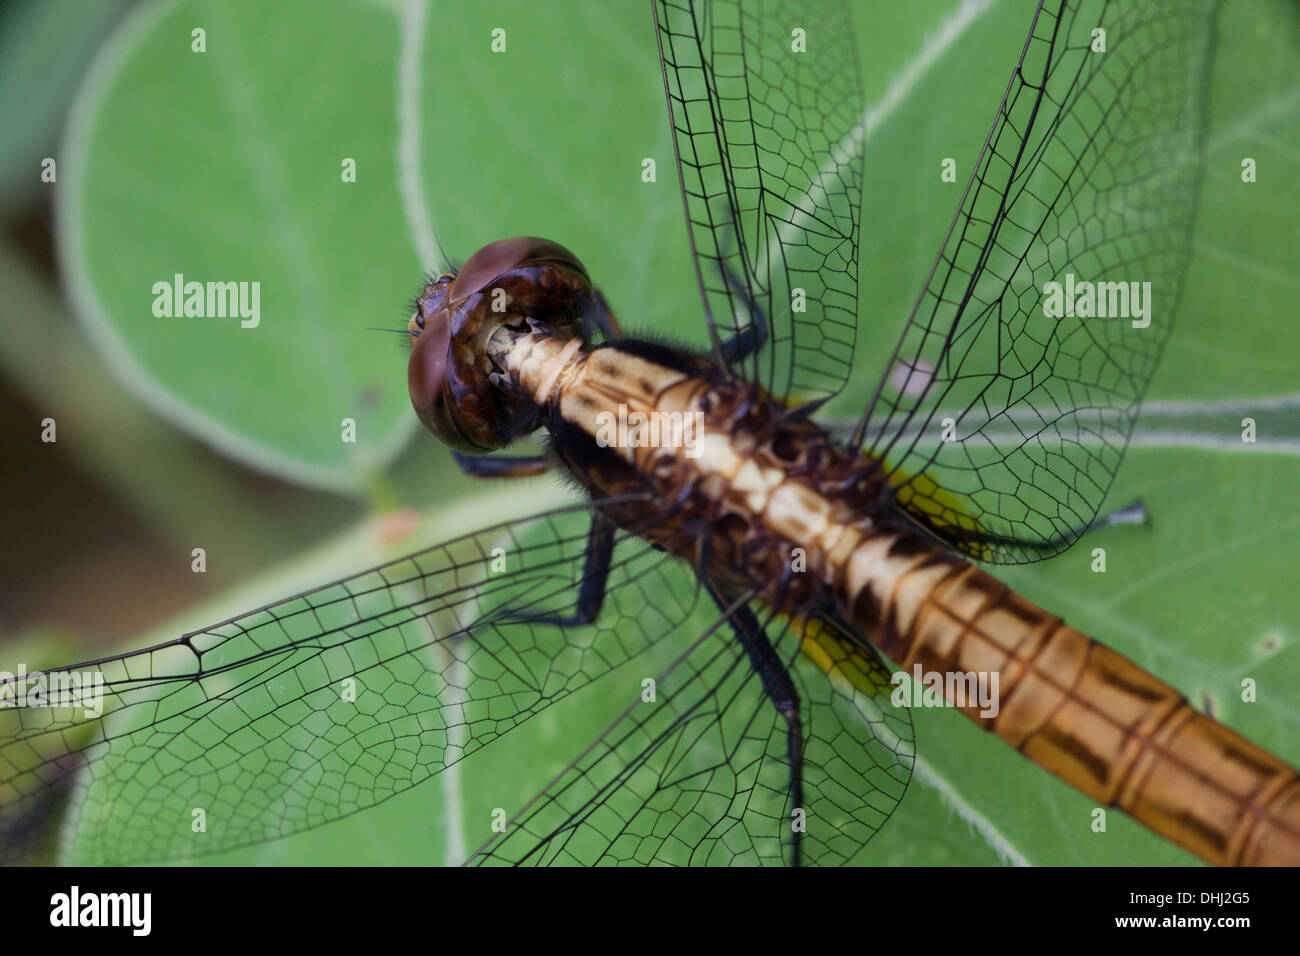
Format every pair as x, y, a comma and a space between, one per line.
450, 391
549, 267
521, 283
426, 373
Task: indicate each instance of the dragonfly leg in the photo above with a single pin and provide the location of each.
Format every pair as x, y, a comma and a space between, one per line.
780, 690
750, 339
500, 466
603, 318
595, 575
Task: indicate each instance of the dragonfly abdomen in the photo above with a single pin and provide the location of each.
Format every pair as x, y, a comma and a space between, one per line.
1077, 708
807, 524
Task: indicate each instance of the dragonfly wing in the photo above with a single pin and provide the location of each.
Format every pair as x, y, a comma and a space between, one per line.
700, 774
1015, 395
329, 702
764, 100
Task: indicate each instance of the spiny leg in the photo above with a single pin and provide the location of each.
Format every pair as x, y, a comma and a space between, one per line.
780, 690
501, 466
602, 317
595, 576
600, 539
750, 339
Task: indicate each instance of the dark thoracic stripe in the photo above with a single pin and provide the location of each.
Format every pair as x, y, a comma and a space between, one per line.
1115, 679
879, 610
1209, 832
1246, 760
1068, 742
908, 546
1028, 616
867, 608
662, 355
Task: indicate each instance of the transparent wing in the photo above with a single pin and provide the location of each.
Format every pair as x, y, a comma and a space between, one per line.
700, 774
327, 703
764, 98
1014, 394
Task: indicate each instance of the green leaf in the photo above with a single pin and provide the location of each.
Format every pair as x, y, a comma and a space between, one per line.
227, 166
548, 138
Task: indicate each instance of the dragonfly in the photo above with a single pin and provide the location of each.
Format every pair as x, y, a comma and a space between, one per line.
821, 562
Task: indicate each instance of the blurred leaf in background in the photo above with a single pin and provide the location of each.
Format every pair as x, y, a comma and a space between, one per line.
234, 165
44, 48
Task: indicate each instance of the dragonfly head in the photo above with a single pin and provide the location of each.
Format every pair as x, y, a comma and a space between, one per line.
520, 283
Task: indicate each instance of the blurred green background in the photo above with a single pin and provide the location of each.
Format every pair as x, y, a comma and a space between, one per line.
183, 433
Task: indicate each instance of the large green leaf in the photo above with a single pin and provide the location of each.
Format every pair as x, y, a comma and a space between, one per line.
228, 166
548, 138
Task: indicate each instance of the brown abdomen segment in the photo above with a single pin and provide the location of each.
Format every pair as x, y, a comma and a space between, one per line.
1079, 709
